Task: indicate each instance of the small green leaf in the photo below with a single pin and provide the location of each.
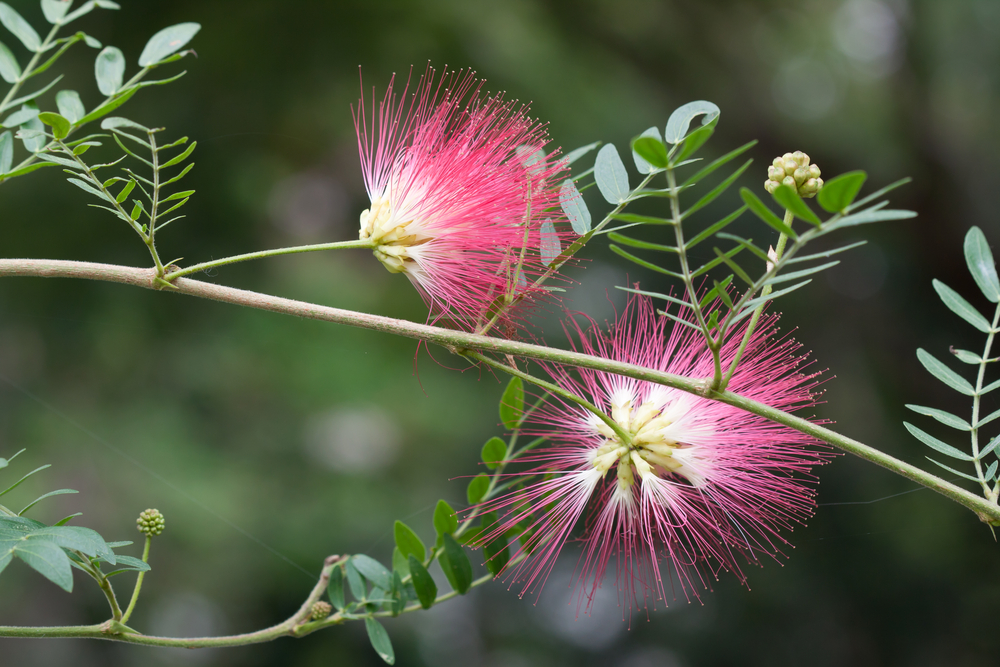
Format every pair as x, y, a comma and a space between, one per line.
838, 193
953, 471
109, 70
34, 502
88, 7
60, 125
178, 195
610, 174
400, 564
512, 403
70, 105
494, 452
648, 151
574, 207
987, 419
423, 583
408, 541
991, 471
960, 306
789, 199
980, 260
354, 581
680, 119
180, 158
167, 41
335, 589
945, 418
765, 214
445, 520
990, 447
549, 246
870, 215
936, 444
578, 153
477, 488
372, 570
9, 69
694, 141
54, 10
379, 637
456, 565
6, 152
126, 189
965, 356
19, 27
21, 116
136, 210
945, 374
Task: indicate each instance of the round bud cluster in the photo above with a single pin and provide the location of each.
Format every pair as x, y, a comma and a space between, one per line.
150, 523
794, 170
321, 610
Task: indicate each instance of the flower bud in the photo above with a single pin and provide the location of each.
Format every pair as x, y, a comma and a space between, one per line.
150, 523
320, 610
795, 171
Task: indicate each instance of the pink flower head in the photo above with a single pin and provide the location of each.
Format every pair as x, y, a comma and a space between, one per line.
458, 196
696, 487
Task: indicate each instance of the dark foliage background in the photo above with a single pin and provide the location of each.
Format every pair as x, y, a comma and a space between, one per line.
313, 438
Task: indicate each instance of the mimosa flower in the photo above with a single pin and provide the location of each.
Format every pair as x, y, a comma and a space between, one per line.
458, 194
695, 487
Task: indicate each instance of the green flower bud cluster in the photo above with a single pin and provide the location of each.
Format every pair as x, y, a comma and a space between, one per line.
321, 610
794, 170
150, 523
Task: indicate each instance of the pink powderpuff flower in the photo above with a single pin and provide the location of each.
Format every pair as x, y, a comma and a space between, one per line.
458, 195
698, 485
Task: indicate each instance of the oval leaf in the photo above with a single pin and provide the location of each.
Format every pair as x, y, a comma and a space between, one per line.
512, 403
945, 418
379, 639
6, 152
838, 193
936, 444
54, 10
423, 583
372, 570
408, 541
789, 199
335, 589
477, 488
574, 207
9, 69
960, 306
610, 174
981, 265
945, 374
109, 69
456, 565
445, 520
70, 105
680, 120
549, 246
19, 27
494, 451
59, 124
647, 149
167, 41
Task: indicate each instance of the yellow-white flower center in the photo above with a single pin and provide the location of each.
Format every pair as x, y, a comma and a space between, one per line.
655, 447
394, 239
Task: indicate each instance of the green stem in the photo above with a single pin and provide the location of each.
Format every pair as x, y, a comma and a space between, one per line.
677, 218
138, 582
778, 252
294, 626
985, 483
109, 593
460, 340
205, 266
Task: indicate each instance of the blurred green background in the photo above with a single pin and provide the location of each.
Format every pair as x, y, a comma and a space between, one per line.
313, 438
